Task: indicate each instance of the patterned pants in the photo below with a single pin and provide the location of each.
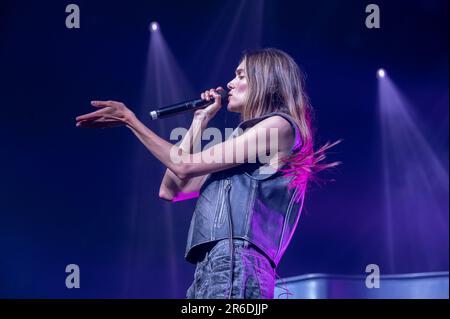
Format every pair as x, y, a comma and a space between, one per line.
253, 275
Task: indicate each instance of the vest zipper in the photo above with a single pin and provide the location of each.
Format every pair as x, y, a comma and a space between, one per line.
249, 213
230, 234
225, 199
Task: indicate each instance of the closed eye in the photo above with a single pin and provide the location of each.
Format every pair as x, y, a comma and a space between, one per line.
240, 74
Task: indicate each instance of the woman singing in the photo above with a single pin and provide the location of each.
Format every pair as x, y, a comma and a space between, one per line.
248, 206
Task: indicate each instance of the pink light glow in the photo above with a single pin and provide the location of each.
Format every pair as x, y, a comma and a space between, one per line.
185, 196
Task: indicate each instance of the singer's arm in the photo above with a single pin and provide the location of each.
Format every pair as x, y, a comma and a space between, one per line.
112, 114
172, 187
229, 153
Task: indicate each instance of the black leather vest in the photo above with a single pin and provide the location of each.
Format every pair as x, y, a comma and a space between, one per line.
264, 211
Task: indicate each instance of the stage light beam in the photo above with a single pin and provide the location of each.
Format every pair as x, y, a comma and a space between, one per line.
415, 187
164, 83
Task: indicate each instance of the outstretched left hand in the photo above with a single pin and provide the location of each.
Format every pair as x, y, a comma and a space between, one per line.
110, 114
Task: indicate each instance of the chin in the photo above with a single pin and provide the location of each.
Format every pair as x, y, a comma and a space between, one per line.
234, 109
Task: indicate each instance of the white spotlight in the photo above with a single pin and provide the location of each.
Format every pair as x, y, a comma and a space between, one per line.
381, 73
154, 26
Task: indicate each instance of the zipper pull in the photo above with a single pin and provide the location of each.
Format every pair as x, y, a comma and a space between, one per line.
227, 184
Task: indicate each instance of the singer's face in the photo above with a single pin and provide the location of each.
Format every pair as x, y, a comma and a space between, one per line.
237, 96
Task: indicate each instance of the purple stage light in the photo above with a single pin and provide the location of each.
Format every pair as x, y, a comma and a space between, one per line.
381, 73
415, 187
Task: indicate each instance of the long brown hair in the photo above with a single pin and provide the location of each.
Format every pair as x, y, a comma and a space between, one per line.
276, 84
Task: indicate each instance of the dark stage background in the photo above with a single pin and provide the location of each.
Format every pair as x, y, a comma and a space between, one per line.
90, 197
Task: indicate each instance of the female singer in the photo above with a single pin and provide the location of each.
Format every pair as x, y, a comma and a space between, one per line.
248, 206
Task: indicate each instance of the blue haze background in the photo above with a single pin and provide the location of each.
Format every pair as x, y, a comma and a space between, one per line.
69, 195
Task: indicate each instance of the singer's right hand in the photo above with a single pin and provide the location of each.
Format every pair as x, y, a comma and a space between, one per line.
210, 111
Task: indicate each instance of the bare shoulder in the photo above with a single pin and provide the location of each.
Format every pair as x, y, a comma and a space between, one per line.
278, 122
285, 131
274, 121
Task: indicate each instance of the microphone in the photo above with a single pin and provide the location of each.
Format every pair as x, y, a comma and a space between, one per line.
185, 106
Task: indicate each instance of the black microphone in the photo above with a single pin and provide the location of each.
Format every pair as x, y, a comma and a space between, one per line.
185, 106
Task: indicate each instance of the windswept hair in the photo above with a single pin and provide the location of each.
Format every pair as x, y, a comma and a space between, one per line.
276, 84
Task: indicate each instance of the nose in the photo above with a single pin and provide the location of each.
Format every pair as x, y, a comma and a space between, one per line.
230, 85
